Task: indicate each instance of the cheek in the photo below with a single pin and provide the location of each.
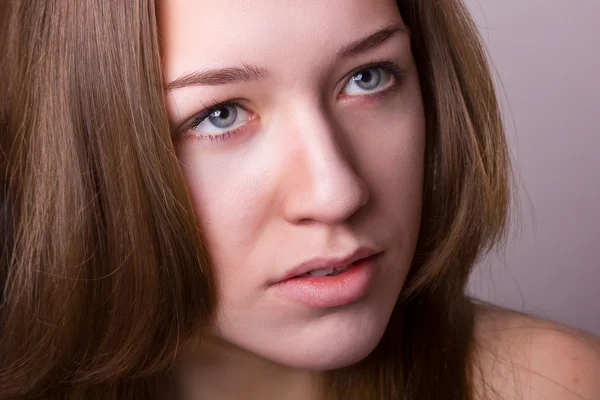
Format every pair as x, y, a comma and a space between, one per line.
399, 183
389, 133
230, 199
390, 145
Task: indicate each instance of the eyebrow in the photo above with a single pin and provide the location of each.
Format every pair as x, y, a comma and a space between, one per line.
223, 76
371, 41
250, 73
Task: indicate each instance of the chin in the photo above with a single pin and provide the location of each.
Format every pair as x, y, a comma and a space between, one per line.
331, 341
335, 354
323, 355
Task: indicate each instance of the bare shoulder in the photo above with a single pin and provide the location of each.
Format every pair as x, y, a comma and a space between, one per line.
518, 356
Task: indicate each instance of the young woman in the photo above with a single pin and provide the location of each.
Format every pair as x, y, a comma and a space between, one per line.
262, 199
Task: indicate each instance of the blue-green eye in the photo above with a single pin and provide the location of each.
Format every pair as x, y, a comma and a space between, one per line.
369, 80
221, 118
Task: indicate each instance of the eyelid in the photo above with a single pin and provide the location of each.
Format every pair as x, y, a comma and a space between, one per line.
203, 114
392, 67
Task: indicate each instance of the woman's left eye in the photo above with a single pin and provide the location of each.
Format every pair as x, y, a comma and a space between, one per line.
369, 80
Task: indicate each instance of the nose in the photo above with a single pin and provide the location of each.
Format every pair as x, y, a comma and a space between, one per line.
319, 182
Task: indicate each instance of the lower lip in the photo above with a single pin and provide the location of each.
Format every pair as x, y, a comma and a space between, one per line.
332, 291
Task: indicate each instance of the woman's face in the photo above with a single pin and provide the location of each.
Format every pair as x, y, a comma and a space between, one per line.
300, 130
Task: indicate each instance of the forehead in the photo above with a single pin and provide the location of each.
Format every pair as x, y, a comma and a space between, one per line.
212, 33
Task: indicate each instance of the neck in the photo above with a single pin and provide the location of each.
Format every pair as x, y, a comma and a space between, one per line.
219, 370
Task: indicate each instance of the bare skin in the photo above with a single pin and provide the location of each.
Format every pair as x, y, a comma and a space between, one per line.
522, 357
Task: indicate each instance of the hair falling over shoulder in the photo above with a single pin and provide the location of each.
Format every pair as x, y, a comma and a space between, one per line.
103, 271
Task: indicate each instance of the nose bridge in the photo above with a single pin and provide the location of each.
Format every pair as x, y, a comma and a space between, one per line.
321, 182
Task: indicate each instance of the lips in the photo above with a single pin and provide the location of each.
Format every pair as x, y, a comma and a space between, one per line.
330, 291
321, 266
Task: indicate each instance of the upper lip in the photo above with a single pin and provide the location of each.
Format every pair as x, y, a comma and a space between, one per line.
328, 263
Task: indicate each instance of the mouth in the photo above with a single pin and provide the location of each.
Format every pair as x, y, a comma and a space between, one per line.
335, 286
327, 267
327, 271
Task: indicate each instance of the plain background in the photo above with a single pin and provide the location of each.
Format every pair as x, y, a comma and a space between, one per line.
547, 58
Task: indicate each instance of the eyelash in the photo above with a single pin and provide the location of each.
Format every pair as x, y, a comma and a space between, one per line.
390, 67
195, 121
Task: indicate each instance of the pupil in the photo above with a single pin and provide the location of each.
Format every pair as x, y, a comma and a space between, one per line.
368, 79
224, 113
224, 117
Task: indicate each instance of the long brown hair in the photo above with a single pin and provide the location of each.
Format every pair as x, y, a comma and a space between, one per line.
104, 274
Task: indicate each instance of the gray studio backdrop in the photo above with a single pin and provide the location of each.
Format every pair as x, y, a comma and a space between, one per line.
547, 59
